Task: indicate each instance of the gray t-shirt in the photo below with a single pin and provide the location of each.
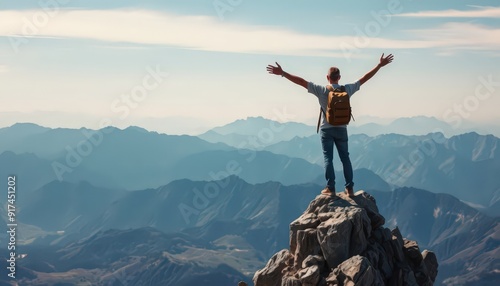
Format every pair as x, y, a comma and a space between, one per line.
321, 93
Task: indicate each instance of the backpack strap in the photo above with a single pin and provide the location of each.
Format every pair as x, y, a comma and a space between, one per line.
330, 88
319, 119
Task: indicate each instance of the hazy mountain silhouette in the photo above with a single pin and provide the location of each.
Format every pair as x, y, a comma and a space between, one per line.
364, 179
256, 132
20, 131
308, 148
267, 132
31, 171
45, 143
65, 206
84, 208
252, 166
132, 158
418, 125
464, 165
136, 159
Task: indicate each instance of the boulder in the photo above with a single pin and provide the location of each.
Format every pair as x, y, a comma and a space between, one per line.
310, 276
272, 273
342, 241
356, 270
430, 261
307, 244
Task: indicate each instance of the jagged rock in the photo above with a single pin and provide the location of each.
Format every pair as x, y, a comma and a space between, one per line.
403, 276
379, 259
307, 244
412, 252
308, 220
309, 276
344, 235
319, 205
430, 261
397, 244
341, 241
289, 281
271, 274
314, 260
367, 201
356, 270
416, 260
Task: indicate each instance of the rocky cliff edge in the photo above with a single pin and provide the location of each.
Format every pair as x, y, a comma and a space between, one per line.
342, 241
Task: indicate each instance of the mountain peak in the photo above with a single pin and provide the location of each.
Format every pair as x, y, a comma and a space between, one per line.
26, 128
137, 129
341, 241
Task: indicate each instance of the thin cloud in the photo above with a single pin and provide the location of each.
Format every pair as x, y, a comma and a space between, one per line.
4, 69
146, 27
480, 12
459, 36
189, 32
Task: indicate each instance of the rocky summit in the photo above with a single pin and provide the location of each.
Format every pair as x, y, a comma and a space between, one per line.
342, 241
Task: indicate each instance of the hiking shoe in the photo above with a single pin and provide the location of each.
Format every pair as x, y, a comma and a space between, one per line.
326, 191
349, 191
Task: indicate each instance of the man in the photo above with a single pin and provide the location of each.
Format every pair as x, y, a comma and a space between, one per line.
333, 135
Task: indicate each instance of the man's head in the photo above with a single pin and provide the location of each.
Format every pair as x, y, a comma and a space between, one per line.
333, 75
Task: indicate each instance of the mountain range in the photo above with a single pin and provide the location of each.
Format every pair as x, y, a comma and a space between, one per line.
464, 165
238, 226
134, 207
264, 132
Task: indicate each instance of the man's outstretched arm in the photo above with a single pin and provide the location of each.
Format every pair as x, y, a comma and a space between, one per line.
383, 61
277, 70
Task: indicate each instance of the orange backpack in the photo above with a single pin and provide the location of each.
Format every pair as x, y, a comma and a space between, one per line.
338, 110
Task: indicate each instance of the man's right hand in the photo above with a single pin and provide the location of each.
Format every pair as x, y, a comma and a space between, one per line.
277, 70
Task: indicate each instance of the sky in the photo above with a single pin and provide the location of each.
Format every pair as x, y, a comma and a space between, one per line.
182, 67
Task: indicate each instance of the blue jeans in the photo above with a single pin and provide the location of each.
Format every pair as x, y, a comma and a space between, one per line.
336, 136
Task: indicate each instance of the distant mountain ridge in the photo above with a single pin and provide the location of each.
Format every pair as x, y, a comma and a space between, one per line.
135, 159
464, 165
264, 132
256, 133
